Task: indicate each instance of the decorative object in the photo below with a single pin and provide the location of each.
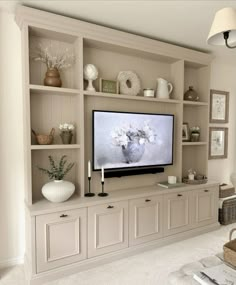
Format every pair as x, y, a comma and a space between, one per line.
66, 132
226, 190
129, 83
172, 179
148, 92
185, 132
186, 180
102, 194
195, 134
219, 106
218, 143
108, 86
227, 210
90, 74
58, 190
164, 88
44, 139
55, 59
229, 249
191, 95
223, 29
191, 174
132, 140
89, 194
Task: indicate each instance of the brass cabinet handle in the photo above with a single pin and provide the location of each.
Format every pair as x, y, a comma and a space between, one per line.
110, 207
63, 216
147, 200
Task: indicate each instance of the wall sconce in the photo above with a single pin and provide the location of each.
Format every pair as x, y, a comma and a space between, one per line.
223, 29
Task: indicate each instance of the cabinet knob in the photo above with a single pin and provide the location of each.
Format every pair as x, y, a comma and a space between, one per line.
147, 200
63, 216
206, 190
110, 207
179, 195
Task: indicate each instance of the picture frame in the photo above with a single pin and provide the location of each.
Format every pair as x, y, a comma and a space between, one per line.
108, 86
219, 106
185, 132
218, 143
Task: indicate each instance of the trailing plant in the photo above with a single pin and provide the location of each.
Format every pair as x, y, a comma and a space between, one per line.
57, 172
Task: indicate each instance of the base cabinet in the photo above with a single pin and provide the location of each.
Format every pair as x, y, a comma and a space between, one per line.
145, 219
107, 228
61, 239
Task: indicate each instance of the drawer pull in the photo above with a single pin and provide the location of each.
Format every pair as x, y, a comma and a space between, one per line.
110, 207
147, 200
206, 190
63, 216
179, 195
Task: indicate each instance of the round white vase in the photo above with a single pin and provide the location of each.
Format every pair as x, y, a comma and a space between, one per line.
58, 191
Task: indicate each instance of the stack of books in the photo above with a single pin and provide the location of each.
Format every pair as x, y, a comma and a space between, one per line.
217, 275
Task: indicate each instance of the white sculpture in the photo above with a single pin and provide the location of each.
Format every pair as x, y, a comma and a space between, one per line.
90, 74
125, 77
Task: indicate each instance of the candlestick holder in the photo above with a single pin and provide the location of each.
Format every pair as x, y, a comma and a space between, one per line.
102, 194
89, 194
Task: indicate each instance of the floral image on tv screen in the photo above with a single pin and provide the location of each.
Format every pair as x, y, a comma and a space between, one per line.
127, 140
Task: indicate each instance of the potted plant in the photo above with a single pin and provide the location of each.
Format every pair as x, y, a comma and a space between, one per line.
195, 134
58, 190
66, 132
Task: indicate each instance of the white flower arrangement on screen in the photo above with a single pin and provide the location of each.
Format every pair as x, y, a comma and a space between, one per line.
53, 57
127, 134
66, 127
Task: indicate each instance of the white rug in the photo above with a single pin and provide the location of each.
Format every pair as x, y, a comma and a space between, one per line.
149, 268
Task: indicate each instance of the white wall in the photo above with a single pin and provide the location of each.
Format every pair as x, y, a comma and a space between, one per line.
11, 143
11, 138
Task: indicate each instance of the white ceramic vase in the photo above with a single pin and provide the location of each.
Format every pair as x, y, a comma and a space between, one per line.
58, 191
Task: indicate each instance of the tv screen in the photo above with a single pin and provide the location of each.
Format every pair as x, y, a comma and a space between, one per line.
124, 140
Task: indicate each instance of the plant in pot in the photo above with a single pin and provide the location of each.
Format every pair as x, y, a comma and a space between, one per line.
57, 190
55, 60
66, 132
195, 134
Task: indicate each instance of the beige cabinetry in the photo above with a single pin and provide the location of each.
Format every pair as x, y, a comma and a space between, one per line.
177, 212
145, 219
60, 238
107, 228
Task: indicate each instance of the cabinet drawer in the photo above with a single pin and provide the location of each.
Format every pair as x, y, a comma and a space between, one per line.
60, 238
145, 219
107, 228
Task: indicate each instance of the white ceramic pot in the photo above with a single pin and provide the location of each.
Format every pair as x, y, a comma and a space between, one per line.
58, 190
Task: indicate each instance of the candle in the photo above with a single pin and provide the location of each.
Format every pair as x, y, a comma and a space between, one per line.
89, 169
102, 174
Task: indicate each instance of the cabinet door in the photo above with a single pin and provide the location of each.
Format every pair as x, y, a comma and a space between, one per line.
60, 239
205, 206
107, 228
176, 213
145, 216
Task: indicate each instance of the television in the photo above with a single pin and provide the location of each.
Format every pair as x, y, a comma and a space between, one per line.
125, 140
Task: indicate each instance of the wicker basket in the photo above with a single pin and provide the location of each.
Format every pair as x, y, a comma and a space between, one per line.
227, 215
195, 181
44, 139
226, 191
230, 249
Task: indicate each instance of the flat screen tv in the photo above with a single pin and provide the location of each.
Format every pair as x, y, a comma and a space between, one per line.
123, 140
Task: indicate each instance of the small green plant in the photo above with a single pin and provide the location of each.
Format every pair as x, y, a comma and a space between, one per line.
57, 172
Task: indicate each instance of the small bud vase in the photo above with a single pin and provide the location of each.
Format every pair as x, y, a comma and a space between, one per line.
195, 137
66, 137
52, 78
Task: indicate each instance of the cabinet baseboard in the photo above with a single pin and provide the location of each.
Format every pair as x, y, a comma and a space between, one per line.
11, 262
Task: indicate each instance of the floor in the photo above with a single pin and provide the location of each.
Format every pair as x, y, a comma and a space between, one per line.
149, 268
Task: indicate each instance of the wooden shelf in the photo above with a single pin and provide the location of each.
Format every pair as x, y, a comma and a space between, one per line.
55, 146
39, 89
195, 103
128, 97
193, 143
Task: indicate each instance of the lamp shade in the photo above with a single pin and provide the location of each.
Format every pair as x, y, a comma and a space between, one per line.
225, 20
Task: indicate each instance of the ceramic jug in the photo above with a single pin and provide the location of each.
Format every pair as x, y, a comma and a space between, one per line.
164, 88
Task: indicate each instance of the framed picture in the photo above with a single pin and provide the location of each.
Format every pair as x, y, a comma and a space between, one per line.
108, 86
218, 143
219, 106
185, 132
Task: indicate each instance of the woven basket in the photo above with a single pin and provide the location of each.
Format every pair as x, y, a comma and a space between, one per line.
44, 139
227, 215
230, 249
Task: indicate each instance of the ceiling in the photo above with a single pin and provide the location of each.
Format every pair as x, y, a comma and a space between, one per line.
185, 23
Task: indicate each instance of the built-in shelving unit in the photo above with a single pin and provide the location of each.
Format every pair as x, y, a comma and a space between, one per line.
55, 146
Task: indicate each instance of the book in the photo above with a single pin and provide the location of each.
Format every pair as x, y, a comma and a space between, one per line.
165, 184
218, 275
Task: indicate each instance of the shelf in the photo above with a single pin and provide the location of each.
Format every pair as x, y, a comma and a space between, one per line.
55, 146
195, 103
128, 97
193, 143
39, 89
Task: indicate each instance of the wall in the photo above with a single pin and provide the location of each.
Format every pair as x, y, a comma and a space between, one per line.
11, 143
11, 138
